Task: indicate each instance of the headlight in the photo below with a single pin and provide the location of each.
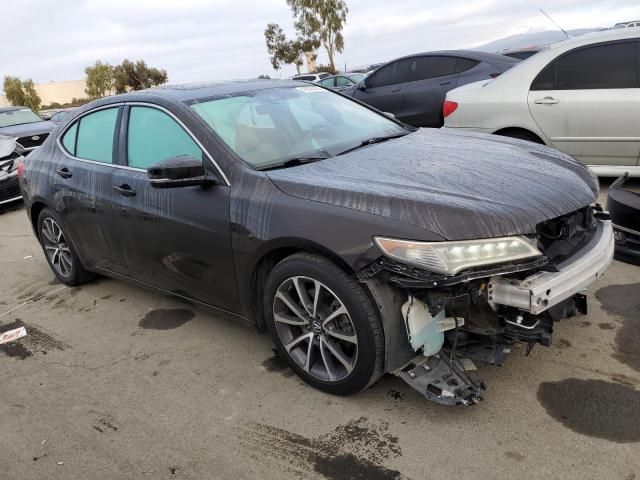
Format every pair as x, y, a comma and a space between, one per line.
451, 257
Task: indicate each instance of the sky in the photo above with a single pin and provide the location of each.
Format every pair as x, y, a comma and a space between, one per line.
200, 40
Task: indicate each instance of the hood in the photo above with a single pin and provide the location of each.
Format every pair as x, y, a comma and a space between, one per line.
458, 185
25, 129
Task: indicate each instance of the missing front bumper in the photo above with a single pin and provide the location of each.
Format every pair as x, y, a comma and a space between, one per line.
543, 290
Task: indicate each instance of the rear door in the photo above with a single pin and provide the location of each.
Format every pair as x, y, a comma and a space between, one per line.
384, 88
587, 103
177, 239
82, 184
429, 80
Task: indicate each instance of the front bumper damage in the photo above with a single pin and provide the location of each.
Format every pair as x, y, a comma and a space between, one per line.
480, 316
543, 290
10, 155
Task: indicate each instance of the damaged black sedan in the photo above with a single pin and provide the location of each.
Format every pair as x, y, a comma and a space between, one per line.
363, 246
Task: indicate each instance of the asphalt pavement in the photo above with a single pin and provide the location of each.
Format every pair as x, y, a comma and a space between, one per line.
116, 382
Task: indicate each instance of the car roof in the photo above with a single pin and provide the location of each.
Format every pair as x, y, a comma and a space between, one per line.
473, 54
12, 109
598, 37
192, 93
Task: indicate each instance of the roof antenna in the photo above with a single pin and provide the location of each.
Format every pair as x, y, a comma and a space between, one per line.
555, 23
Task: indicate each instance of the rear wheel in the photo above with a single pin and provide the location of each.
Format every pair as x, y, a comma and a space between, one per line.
60, 254
324, 324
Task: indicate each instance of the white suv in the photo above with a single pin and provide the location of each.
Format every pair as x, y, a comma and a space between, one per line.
581, 96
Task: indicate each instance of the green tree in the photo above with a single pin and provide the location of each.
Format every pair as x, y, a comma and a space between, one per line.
31, 97
324, 19
286, 52
21, 93
13, 90
281, 51
130, 76
99, 80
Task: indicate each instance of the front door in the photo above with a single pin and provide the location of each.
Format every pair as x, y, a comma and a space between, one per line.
587, 101
385, 86
177, 239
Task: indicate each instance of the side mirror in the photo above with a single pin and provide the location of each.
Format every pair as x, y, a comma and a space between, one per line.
362, 85
390, 115
181, 171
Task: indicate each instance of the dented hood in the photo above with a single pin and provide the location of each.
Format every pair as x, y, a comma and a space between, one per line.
458, 185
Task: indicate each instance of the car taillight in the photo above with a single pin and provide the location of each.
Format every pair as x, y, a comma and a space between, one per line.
448, 108
20, 168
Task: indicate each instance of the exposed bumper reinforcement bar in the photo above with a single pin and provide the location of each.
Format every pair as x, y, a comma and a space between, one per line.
543, 290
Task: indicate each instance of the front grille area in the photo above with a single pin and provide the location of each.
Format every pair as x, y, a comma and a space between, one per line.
9, 189
29, 142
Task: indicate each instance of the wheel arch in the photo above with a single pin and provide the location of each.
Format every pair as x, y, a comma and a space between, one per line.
506, 130
35, 208
269, 256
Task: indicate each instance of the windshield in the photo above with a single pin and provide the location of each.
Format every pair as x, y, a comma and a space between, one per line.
18, 117
277, 124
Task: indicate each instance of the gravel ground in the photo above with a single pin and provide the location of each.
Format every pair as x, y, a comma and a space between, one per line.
117, 382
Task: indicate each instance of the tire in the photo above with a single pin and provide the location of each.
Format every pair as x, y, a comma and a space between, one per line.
354, 318
59, 251
522, 135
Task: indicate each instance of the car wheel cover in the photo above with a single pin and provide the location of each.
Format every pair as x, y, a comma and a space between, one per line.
315, 328
56, 247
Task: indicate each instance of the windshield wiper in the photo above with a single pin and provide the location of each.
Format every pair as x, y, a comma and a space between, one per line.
371, 141
292, 162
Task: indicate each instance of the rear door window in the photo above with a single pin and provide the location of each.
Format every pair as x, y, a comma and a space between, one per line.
91, 137
423, 68
607, 66
154, 136
391, 74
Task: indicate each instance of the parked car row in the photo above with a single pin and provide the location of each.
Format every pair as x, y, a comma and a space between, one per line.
580, 96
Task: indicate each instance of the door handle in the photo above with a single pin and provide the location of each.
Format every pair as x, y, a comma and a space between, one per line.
396, 90
546, 101
124, 190
445, 83
64, 172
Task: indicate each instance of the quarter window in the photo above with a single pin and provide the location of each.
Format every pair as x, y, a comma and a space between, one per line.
614, 65
91, 137
69, 139
464, 64
423, 68
154, 136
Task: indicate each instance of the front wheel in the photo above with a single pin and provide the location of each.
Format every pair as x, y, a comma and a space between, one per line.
324, 324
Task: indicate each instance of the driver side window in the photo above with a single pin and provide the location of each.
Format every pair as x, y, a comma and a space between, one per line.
154, 136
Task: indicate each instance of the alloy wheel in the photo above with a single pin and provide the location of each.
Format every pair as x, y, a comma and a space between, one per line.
56, 247
315, 328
